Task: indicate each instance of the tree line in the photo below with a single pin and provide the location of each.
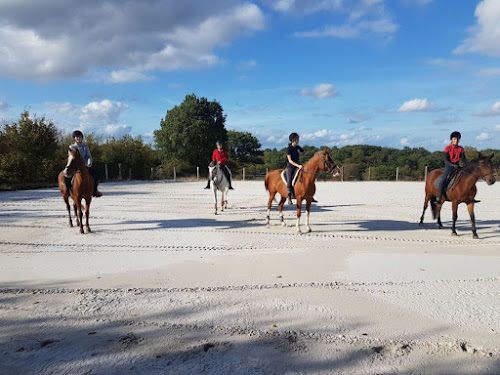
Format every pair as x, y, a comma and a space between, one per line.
33, 151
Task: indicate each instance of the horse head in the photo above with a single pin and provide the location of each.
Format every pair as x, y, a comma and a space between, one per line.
328, 163
213, 169
486, 167
75, 161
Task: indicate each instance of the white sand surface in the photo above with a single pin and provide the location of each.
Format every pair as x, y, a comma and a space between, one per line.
164, 286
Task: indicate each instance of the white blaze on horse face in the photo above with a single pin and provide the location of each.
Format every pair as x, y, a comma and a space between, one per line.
70, 158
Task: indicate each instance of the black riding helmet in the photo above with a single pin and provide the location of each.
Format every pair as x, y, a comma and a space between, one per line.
218, 143
455, 135
293, 136
77, 133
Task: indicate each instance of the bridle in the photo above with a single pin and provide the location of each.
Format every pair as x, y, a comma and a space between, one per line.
213, 176
326, 165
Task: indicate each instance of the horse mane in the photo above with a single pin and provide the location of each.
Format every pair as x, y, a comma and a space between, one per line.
317, 154
469, 168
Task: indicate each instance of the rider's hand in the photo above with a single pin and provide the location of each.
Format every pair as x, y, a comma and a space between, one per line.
300, 166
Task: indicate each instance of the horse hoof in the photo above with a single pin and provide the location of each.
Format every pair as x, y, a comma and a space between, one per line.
308, 230
454, 234
420, 224
299, 232
475, 236
283, 225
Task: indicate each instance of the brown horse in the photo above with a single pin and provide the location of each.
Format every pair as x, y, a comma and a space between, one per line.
463, 190
304, 187
83, 187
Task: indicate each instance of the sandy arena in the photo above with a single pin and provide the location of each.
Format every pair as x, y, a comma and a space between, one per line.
163, 286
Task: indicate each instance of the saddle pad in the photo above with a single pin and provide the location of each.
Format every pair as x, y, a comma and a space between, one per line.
450, 184
294, 180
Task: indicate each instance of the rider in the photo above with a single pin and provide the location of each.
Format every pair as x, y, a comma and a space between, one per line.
220, 155
87, 158
453, 153
292, 155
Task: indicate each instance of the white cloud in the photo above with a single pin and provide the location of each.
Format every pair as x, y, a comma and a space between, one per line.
117, 131
485, 34
126, 38
494, 110
122, 76
483, 137
491, 72
449, 119
247, 65
497, 128
362, 18
321, 91
415, 105
104, 111
404, 141
4, 105
64, 108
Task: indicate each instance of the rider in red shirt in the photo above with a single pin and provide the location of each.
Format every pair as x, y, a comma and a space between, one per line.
453, 153
220, 156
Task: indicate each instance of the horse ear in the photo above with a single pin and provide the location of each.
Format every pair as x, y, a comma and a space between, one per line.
491, 157
479, 155
326, 150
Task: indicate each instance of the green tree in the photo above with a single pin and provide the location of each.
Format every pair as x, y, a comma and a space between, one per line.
131, 152
189, 131
28, 152
243, 146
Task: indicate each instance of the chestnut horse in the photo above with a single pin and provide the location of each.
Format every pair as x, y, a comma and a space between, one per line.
83, 187
463, 190
304, 187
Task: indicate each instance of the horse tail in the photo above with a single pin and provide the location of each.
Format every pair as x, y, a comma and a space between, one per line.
433, 207
266, 182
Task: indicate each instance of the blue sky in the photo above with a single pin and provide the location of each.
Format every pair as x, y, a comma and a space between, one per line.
390, 73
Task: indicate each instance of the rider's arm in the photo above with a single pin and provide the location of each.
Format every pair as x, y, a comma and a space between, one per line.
87, 157
447, 160
463, 158
292, 162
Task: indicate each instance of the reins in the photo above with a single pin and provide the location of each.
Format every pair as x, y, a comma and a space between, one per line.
325, 164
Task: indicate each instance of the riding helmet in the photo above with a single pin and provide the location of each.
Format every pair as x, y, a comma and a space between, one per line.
77, 133
293, 136
218, 143
455, 135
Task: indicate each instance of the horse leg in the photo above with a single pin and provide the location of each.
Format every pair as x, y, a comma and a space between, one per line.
87, 212
299, 207
454, 208
76, 214
426, 204
280, 211
222, 198
308, 208
80, 214
470, 207
269, 204
214, 188
438, 215
66, 200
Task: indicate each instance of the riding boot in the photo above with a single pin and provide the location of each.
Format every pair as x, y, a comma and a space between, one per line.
291, 195
230, 185
208, 185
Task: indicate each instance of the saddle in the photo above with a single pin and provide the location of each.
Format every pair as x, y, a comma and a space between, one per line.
451, 181
294, 179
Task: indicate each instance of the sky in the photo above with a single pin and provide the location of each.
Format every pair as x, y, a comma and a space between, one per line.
390, 73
